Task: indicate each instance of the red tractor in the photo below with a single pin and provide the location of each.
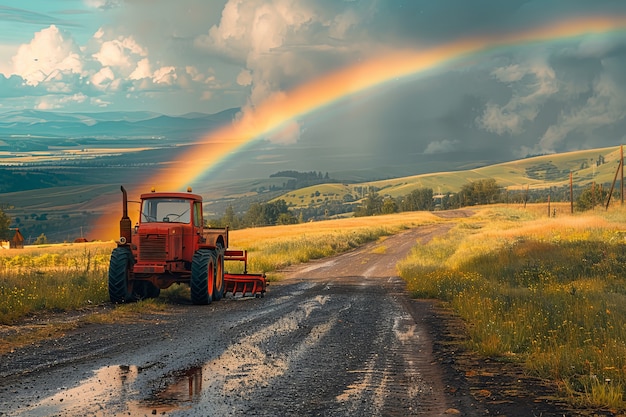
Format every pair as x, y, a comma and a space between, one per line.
170, 244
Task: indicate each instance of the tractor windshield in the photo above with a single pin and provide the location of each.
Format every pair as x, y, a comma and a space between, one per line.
166, 210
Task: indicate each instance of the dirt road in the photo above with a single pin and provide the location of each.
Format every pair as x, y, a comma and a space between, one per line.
338, 337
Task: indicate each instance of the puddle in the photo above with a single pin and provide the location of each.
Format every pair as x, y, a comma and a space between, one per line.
180, 394
110, 392
91, 395
219, 384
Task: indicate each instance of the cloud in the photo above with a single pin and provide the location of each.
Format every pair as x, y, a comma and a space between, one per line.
532, 83
280, 43
441, 146
244, 77
210, 55
110, 66
142, 70
12, 14
103, 4
50, 52
165, 75
58, 102
606, 106
103, 78
122, 53
287, 134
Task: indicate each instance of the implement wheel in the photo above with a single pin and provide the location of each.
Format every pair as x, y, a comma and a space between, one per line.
120, 287
202, 277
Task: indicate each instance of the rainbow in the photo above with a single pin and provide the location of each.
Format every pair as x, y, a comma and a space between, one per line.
275, 112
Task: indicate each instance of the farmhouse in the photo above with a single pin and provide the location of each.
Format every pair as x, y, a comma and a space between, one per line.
17, 242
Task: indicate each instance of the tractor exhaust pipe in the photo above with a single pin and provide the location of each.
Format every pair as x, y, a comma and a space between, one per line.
125, 223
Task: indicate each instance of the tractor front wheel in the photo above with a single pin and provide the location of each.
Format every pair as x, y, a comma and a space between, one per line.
202, 277
120, 288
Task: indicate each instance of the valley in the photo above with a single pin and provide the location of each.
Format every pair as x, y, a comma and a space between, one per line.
60, 173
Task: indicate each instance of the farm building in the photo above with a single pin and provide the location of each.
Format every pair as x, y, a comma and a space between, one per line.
17, 242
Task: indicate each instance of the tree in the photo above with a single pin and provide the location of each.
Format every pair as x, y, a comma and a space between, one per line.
286, 218
372, 205
41, 240
591, 197
485, 191
420, 199
5, 221
229, 216
389, 206
254, 215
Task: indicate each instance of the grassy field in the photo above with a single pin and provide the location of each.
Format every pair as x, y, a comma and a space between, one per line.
549, 293
70, 276
53, 278
539, 172
546, 292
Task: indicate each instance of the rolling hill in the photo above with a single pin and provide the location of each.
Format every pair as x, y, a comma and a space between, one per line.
593, 165
66, 212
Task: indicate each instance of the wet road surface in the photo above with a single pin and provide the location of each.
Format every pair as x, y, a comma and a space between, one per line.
338, 337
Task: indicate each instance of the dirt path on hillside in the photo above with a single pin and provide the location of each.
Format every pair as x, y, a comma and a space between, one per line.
337, 337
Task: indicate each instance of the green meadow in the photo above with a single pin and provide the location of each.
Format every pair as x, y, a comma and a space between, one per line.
539, 172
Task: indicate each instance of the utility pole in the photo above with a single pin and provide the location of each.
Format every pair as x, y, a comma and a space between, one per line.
571, 193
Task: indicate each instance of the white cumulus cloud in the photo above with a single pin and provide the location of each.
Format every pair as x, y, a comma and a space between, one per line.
274, 40
50, 52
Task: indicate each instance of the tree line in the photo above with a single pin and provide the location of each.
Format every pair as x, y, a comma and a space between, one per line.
481, 192
303, 179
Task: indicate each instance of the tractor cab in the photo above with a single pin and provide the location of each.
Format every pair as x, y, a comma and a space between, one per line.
170, 227
171, 210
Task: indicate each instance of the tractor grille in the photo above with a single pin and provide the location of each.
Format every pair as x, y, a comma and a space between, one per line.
152, 248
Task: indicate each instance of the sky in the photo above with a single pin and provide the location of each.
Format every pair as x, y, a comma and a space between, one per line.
506, 99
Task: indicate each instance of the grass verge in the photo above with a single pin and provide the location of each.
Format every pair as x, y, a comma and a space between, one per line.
547, 292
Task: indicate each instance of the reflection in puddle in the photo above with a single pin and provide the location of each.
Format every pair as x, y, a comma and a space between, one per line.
92, 395
186, 388
221, 385
110, 392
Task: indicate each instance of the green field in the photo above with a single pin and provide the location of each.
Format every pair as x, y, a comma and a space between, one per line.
533, 173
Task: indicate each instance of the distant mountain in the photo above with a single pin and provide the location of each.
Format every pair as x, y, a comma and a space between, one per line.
35, 123
27, 131
39, 116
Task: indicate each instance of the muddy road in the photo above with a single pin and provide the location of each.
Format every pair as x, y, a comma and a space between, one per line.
338, 337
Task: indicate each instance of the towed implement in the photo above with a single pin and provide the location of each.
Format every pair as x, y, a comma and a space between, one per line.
169, 245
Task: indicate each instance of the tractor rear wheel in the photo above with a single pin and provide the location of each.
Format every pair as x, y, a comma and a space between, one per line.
202, 277
218, 294
120, 288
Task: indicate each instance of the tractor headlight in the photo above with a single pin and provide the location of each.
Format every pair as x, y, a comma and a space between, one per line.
123, 240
